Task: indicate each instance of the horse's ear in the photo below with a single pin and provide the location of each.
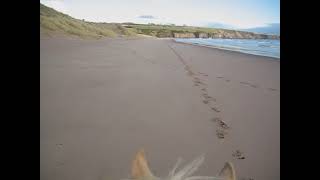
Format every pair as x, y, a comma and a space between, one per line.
228, 172
140, 168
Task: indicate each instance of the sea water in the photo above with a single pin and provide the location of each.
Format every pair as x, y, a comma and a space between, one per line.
261, 47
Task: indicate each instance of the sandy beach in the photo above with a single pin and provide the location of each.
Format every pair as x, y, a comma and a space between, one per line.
102, 100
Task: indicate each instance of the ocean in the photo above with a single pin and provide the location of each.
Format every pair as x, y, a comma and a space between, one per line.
261, 47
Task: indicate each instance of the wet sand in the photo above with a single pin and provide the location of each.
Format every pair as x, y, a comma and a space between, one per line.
103, 100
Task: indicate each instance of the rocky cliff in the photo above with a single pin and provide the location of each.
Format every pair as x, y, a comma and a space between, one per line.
226, 34
163, 31
184, 35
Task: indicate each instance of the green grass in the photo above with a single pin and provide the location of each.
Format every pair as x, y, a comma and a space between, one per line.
54, 21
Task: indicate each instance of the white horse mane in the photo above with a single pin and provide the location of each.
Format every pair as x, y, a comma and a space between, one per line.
185, 173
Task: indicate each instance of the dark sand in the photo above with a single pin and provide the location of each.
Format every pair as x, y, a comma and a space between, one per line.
103, 100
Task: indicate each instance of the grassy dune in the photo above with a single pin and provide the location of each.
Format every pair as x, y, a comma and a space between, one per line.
54, 21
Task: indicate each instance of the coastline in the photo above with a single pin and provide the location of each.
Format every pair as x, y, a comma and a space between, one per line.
226, 49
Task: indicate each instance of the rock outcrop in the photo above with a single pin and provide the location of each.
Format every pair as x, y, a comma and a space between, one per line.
165, 31
225, 34
184, 35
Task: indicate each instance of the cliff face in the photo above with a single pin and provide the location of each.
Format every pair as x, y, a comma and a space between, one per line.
164, 31
203, 35
184, 35
226, 35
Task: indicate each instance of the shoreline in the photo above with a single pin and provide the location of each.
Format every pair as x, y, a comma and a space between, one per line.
141, 36
225, 49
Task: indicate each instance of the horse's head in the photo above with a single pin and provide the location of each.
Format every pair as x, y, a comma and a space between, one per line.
141, 171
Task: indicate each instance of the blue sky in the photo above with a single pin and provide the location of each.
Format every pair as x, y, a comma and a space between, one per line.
232, 13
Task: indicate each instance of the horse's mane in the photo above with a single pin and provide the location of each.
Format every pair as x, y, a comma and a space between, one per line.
184, 173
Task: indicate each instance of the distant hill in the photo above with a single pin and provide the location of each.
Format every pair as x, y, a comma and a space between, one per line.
52, 21
273, 28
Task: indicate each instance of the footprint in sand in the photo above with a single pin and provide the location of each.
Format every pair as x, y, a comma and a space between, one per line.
199, 82
272, 89
227, 80
196, 79
189, 73
216, 119
204, 74
238, 154
221, 133
249, 84
221, 123
59, 145
207, 97
220, 77
215, 109
205, 101
187, 68
222, 127
246, 83
196, 82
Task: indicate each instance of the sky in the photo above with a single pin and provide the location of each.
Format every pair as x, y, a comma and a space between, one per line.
230, 13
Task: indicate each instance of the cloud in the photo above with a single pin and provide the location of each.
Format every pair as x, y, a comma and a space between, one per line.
147, 17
